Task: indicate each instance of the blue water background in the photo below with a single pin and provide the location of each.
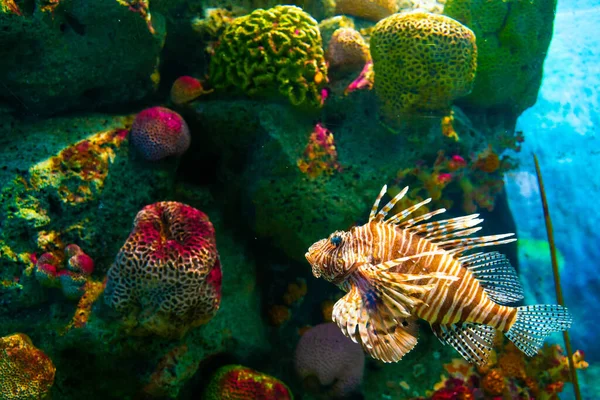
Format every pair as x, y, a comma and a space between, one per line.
563, 129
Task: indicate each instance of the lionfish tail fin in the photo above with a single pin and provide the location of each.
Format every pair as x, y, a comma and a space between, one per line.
534, 323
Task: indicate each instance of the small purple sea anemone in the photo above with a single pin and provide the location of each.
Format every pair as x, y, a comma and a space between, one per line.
158, 132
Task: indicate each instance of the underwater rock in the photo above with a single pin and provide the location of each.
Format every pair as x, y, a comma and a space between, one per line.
166, 278
25, 371
234, 382
69, 180
297, 181
77, 55
325, 354
512, 42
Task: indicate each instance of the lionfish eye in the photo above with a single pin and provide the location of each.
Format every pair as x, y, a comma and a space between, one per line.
336, 240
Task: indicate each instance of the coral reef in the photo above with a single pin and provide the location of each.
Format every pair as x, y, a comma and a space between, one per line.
269, 52
509, 374
347, 50
325, 354
422, 62
158, 132
25, 371
71, 278
512, 40
368, 9
187, 88
236, 382
166, 278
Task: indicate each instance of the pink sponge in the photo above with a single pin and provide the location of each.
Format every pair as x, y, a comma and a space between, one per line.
324, 353
158, 132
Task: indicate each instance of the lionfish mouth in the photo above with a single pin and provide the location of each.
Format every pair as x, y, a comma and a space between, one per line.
309, 258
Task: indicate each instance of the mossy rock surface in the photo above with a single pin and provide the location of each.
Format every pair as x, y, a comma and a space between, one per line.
81, 55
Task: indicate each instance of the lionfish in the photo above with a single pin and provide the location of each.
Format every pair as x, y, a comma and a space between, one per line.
398, 270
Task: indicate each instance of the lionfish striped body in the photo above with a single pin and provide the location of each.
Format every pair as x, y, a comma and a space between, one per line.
398, 270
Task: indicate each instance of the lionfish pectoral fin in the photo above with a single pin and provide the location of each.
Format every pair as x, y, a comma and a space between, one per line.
366, 318
472, 341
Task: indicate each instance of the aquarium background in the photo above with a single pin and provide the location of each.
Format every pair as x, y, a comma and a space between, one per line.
276, 163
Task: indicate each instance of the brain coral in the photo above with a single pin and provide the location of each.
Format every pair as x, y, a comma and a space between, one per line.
512, 38
325, 353
236, 382
367, 9
158, 132
25, 371
347, 49
422, 62
167, 276
271, 51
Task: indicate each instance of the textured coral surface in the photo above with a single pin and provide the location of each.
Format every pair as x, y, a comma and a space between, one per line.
236, 382
158, 132
168, 272
25, 371
272, 51
422, 62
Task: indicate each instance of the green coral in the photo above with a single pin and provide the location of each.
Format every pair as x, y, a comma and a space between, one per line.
272, 51
512, 39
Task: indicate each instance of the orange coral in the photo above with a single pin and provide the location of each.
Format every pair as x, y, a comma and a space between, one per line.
91, 291
25, 371
279, 314
295, 292
488, 161
512, 365
493, 382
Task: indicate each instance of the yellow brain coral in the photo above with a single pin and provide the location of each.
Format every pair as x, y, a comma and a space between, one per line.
368, 9
422, 62
25, 371
270, 51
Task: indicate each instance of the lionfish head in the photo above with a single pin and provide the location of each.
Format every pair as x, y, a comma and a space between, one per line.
328, 257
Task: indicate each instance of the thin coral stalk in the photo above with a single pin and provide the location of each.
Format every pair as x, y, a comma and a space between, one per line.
559, 295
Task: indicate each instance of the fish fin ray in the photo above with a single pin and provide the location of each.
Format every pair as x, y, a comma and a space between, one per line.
534, 323
473, 342
373, 213
496, 276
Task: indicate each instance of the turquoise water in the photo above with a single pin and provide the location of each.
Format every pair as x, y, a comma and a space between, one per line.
167, 166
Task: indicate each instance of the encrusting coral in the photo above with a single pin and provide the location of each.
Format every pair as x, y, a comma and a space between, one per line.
166, 278
272, 51
422, 62
25, 371
236, 382
158, 132
513, 39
